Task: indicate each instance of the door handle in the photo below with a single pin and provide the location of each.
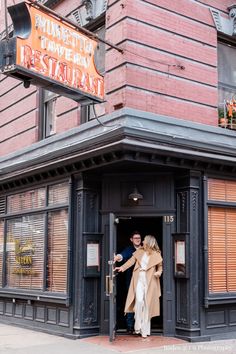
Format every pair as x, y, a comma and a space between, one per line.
109, 285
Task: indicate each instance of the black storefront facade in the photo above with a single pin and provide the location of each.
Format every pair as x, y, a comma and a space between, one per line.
84, 178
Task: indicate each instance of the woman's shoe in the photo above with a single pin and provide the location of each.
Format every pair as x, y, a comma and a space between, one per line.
143, 336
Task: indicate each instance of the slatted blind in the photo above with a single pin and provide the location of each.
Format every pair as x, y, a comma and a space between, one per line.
216, 189
58, 194
222, 190
32, 233
231, 249
222, 249
217, 250
57, 251
222, 237
25, 252
28, 200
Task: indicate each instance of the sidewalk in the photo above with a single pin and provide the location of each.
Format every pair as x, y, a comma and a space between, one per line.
23, 341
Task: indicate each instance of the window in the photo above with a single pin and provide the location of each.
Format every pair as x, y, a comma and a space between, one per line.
87, 111
47, 112
221, 236
100, 51
226, 72
227, 85
24, 253
56, 259
35, 227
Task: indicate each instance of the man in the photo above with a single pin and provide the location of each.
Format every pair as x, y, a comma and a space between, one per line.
126, 254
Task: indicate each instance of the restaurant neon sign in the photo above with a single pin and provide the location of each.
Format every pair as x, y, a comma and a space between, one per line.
51, 52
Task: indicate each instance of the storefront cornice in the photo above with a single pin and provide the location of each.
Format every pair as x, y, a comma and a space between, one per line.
125, 129
219, 300
24, 295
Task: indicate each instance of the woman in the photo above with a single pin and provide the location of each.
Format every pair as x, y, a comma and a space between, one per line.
144, 291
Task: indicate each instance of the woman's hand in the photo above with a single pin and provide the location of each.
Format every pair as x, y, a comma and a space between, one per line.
157, 274
118, 269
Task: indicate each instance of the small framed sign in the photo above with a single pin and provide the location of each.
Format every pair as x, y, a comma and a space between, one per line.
181, 255
92, 246
93, 254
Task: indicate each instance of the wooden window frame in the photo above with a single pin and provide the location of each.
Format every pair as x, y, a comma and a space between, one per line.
226, 86
224, 296
227, 41
43, 294
87, 111
47, 125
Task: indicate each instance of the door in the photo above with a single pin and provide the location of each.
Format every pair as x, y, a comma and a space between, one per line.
162, 228
110, 278
144, 225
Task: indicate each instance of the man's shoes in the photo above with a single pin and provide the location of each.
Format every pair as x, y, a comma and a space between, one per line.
130, 331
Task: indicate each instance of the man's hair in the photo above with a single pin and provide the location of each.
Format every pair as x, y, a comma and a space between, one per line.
135, 233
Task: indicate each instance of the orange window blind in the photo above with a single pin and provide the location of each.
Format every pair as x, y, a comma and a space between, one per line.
57, 251
221, 190
222, 249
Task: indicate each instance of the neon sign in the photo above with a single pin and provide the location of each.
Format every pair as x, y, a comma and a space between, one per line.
51, 53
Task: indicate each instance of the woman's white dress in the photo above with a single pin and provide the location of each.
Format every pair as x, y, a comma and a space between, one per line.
142, 322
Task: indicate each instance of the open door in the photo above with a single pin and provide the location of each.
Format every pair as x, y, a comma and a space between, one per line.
110, 279
145, 225
162, 228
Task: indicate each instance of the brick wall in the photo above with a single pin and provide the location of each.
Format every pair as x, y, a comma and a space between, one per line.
169, 65
19, 118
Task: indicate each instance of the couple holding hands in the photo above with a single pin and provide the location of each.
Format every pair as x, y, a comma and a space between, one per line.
143, 283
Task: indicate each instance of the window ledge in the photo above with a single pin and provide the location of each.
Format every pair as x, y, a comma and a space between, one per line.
219, 299
31, 296
228, 126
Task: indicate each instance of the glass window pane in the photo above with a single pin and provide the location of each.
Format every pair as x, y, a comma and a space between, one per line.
25, 252
226, 74
227, 64
58, 194
49, 95
57, 251
225, 94
28, 200
99, 57
221, 250
50, 117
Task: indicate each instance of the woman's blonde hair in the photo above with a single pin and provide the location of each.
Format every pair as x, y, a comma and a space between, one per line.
151, 243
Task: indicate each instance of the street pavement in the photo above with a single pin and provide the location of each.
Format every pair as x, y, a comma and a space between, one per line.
24, 341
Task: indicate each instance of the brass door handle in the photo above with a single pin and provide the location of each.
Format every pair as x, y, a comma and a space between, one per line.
109, 285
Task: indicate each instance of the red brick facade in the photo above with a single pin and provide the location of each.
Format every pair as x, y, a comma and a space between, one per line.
168, 67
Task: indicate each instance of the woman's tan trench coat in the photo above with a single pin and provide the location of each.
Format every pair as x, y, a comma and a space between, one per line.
153, 282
